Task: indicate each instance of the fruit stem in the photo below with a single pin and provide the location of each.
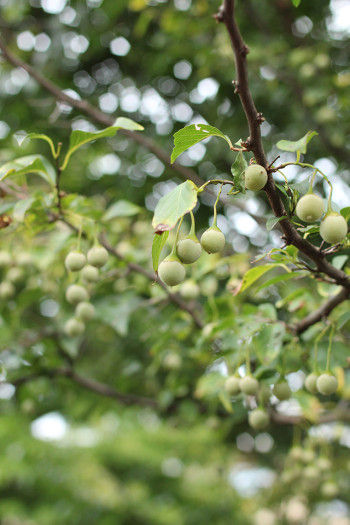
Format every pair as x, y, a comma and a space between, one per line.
312, 180
173, 251
317, 340
215, 205
247, 359
192, 232
329, 348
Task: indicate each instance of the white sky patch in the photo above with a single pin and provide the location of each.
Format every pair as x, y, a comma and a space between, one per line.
339, 21
120, 46
207, 88
53, 7
49, 427
248, 481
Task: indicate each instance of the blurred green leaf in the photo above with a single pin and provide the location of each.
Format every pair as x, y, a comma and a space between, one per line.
191, 135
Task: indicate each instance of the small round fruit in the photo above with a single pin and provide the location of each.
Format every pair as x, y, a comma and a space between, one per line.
213, 240
171, 272
15, 274
310, 383
311, 472
249, 385
75, 261
308, 455
85, 311
329, 489
76, 294
334, 228
324, 464
255, 177
189, 290
90, 273
296, 453
310, 208
188, 250
258, 419
172, 361
209, 285
7, 290
232, 385
5, 258
282, 390
97, 256
327, 384
74, 327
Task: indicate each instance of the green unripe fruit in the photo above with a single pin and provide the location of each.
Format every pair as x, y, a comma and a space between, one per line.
213, 240
7, 290
249, 385
90, 274
258, 419
311, 472
75, 261
310, 208
282, 390
172, 361
296, 453
74, 327
324, 464
329, 489
310, 383
76, 294
232, 385
85, 311
171, 271
188, 250
5, 258
327, 384
97, 256
15, 274
334, 228
209, 285
308, 456
189, 290
255, 177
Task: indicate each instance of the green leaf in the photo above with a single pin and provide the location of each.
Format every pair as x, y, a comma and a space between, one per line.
345, 212
272, 221
121, 208
41, 136
174, 205
296, 3
21, 207
299, 145
29, 164
253, 275
277, 279
191, 135
115, 311
339, 261
237, 170
343, 320
78, 138
158, 244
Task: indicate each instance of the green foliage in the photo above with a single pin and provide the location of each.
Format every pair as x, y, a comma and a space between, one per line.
174, 205
191, 135
297, 146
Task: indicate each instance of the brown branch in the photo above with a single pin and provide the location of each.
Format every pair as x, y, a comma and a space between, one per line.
89, 384
322, 312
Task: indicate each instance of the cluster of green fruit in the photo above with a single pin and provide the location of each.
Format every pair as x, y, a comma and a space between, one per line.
14, 272
310, 472
77, 294
325, 384
248, 385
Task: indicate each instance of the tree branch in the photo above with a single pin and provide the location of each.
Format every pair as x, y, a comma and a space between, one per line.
322, 312
89, 384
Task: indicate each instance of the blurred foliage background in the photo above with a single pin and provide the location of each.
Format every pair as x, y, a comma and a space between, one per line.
72, 456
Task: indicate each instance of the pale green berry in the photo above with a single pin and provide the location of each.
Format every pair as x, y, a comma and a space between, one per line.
258, 419
310, 208
308, 455
209, 285
188, 250
97, 256
296, 453
327, 384
5, 258
15, 274
90, 273
311, 472
334, 228
255, 177
329, 489
282, 390
310, 383
189, 290
213, 240
232, 385
249, 385
172, 361
171, 271
7, 290
85, 311
75, 261
324, 464
76, 293
74, 327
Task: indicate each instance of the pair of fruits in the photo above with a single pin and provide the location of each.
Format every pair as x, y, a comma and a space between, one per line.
96, 258
188, 250
333, 228
325, 384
